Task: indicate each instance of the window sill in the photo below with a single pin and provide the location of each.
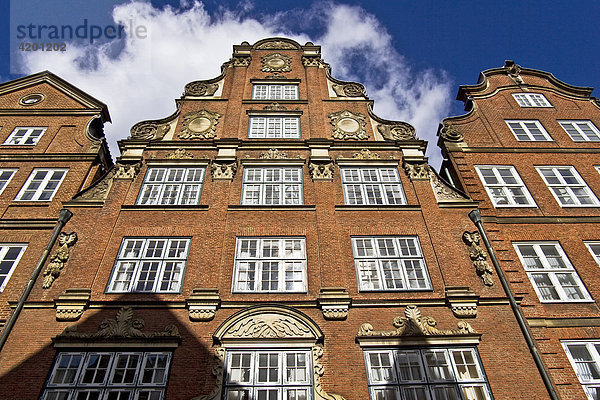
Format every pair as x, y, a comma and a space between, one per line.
405, 207
248, 207
270, 101
198, 207
44, 203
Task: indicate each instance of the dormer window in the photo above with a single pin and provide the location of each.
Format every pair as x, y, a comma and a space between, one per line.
274, 92
531, 100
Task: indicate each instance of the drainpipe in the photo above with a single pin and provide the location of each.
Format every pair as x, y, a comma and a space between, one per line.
475, 216
63, 217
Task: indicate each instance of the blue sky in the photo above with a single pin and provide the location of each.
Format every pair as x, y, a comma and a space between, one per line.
412, 55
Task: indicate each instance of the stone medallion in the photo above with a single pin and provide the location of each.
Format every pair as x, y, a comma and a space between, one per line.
276, 63
199, 125
348, 125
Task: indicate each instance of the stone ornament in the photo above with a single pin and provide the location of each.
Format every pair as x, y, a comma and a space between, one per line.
397, 131
417, 171
462, 301
31, 99
273, 154
443, 191
218, 371
99, 191
413, 324
240, 61
276, 45
180, 154
202, 304
348, 125
478, 256
125, 326
149, 130
274, 107
334, 303
450, 133
127, 171
223, 170
366, 154
313, 62
199, 125
350, 89
59, 258
71, 305
319, 371
513, 71
321, 171
276, 63
269, 326
200, 88
464, 311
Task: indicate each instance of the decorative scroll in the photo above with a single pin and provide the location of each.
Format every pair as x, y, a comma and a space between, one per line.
218, 371
478, 256
268, 327
350, 89
149, 130
59, 258
319, 371
199, 125
451, 134
200, 88
413, 324
273, 154
417, 170
321, 171
180, 154
221, 170
276, 63
348, 125
397, 131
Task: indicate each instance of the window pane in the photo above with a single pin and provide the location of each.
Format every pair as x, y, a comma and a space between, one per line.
371, 186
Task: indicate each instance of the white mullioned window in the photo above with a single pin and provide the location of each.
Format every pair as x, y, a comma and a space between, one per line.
504, 186
550, 272
27, 136
390, 263
594, 248
272, 186
270, 374
6, 174
171, 186
273, 264
567, 187
581, 131
531, 100
528, 130
585, 360
274, 92
107, 375
274, 127
154, 265
426, 374
10, 254
372, 186
42, 184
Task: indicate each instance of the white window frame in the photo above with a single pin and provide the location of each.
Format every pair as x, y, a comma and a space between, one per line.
76, 385
579, 132
26, 136
242, 283
417, 363
590, 244
6, 175
552, 272
504, 187
536, 100
263, 91
132, 266
259, 185
273, 127
524, 125
568, 188
400, 260
588, 384
368, 192
4, 248
160, 190
45, 182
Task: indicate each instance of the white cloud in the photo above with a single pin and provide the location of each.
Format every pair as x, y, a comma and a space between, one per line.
188, 43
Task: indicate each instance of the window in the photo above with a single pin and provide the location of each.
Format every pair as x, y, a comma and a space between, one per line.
581, 131
531, 100
42, 184
529, 131
594, 248
10, 254
272, 186
5, 177
504, 186
153, 265
567, 187
585, 360
270, 265
372, 186
268, 375
551, 273
108, 375
274, 127
275, 92
390, 263
25, 136
171, 186
426, 374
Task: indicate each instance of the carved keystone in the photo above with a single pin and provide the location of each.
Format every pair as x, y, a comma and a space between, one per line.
202, 304
71, 305
334, 303
462, 301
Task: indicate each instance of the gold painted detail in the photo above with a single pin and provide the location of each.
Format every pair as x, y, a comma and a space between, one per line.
124, 326
274, 107
218, 371
366, 154
462, 301
180, 154
397, 131
319, 371
223, 170
478, 256
348, 125
71, 305
417, 171
450, 133
334, 303
513, 71
276, 63
199, 125
149, 130
273, 154
320, 171
127, 171
413, 324
59, 258
350, 89
200, 88
276, 45
202, 304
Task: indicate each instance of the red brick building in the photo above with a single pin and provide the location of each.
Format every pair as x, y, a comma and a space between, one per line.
271, 239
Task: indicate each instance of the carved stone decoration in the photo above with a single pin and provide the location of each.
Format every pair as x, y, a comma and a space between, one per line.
200, 88
71, 305
397, 131
202, 304
59, 258
123, 327
514, 71
99, 191
313, 62
276, 63
199, 125
334, 303
223, 170
462, 301
417, 170
348, 125
273, 154
350, 89
443, 191
218, 371
149, 130
413, 324
274, 107
180, 154
319, 371
127, 171
276, 45
450, 133
478, 256
321, 171
269, 326
240, 61
366, 154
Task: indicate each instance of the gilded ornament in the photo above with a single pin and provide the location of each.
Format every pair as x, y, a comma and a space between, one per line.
276, 63
199, 125
478, 256
348, 125
200, 88
59, 258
